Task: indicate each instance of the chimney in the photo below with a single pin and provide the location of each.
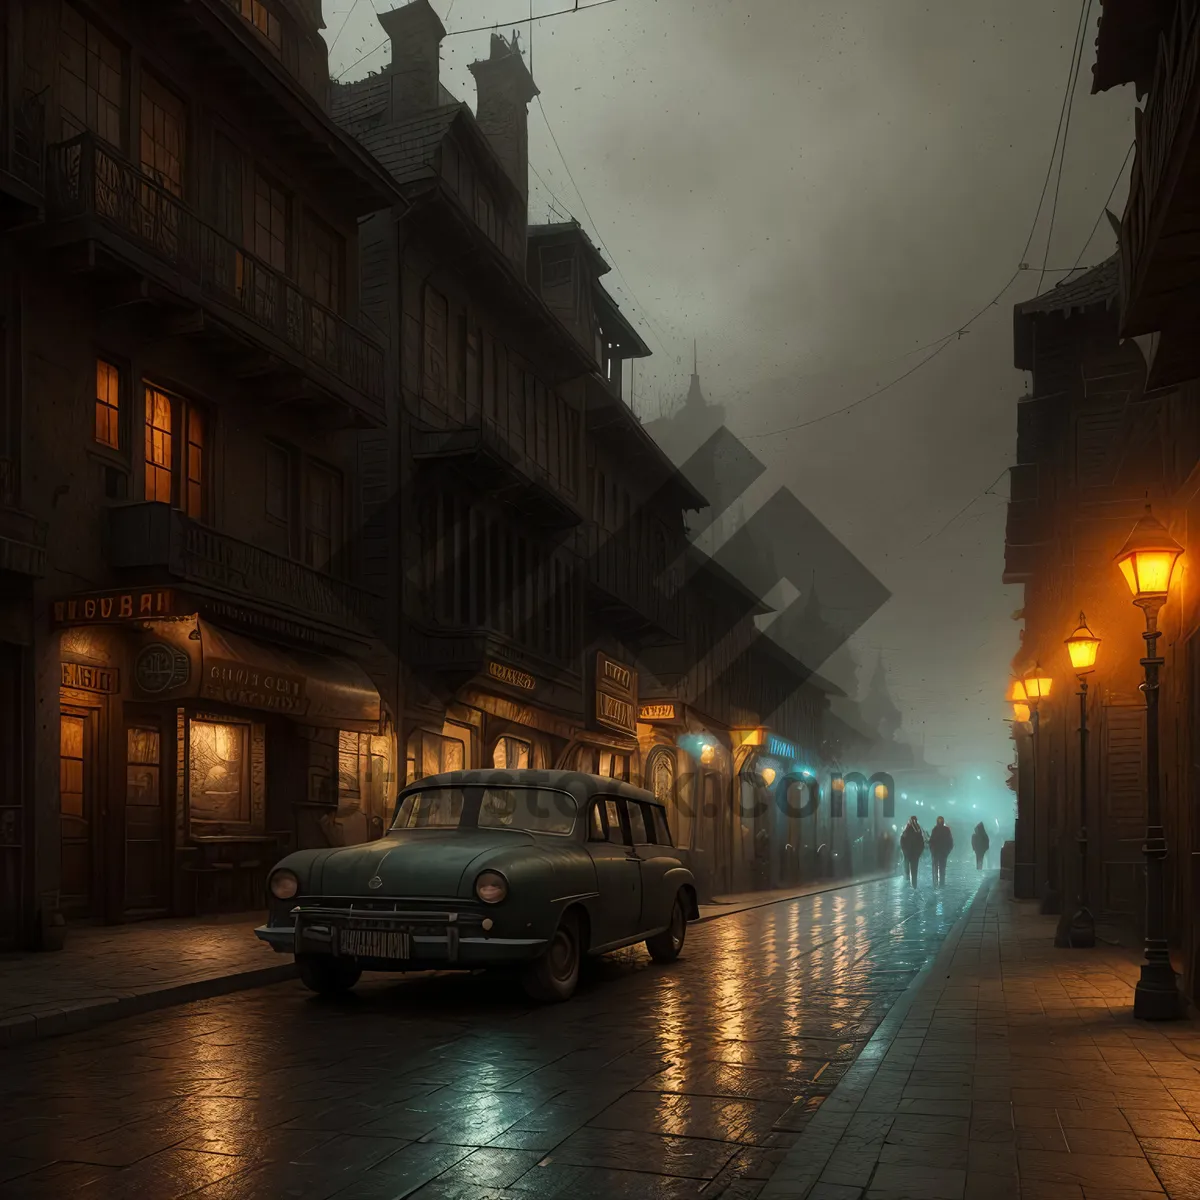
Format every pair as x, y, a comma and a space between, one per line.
416, 34
505, 88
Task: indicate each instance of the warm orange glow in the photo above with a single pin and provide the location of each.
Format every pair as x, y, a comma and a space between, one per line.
1082, 646
1147, 560
1037, 685
1020, 712
1016, 691
881, 791
768, 775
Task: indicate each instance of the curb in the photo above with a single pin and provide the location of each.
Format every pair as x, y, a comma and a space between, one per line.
20, 1030
833, 887
33, 1027
808, 1157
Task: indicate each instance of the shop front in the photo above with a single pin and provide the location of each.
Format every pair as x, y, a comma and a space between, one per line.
191, 756
609, 745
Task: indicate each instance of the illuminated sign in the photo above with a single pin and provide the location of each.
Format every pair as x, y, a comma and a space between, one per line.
89, 679
616, 703
512, 676
656, 712
236, 683
778, 748
139, 604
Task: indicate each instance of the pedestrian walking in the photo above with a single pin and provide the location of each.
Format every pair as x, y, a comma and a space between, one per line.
912, 846
941, 842
980, 843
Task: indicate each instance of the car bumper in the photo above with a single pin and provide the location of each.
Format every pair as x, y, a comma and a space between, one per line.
433, 940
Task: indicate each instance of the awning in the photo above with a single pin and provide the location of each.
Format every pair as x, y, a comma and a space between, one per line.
229, 668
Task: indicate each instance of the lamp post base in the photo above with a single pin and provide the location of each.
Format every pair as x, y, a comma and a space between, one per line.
1077, 932
1156, 997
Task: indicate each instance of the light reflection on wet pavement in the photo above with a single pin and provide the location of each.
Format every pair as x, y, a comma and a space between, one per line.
688, 1080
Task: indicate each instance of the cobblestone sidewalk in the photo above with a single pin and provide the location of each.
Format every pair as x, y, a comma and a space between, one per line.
1013, 1070
108, 972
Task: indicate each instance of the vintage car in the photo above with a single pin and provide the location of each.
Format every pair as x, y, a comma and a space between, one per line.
526, 869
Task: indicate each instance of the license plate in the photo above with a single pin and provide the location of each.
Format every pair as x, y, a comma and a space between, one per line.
373, 943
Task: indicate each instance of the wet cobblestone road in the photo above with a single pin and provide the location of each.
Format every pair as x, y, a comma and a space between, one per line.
654, 1082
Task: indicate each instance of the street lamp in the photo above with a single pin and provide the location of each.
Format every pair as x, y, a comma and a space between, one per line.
1037, 688
1147, 560
1080, 931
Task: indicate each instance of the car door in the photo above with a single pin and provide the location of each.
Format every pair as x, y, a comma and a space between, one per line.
655, 863
618, 873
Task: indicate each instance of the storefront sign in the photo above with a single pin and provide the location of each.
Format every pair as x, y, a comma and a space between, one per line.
138, 604
251, 687
656, 712
161, 668
616, 694
778, 748
90, 679
511, 676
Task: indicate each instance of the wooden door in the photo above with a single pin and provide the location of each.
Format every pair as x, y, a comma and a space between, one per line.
81, 884
1122, 808
146, 825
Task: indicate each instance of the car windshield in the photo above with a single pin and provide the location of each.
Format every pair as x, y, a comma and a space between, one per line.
534, 810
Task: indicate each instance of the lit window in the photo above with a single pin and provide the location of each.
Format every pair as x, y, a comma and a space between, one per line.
263, 20
108, 404
194, 499
349, 768
158, 446
218, 773
511, 754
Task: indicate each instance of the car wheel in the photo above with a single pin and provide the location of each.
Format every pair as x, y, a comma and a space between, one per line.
666, 947
554, 976
327, 976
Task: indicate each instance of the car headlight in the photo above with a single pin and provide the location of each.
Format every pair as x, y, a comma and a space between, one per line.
284, 885
491, 887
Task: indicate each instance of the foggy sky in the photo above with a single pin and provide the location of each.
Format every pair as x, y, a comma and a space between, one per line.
812, 189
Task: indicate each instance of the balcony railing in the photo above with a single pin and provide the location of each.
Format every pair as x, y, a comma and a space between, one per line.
1157, 127
156, 536
88, 180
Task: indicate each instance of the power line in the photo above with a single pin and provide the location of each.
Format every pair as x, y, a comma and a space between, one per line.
578, 8
1072, 85
969, 504
342, 26
1104, 206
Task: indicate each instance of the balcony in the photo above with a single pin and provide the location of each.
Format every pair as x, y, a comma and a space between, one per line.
141, 238
625, 592
22, 538
477, 450
163, 545
1160, 232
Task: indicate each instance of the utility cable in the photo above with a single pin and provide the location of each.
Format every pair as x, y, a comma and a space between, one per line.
342, 26
1104, 207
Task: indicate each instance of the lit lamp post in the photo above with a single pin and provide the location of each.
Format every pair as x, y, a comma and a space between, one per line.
1080, 931
1037, 689
1147, 560
1024, 856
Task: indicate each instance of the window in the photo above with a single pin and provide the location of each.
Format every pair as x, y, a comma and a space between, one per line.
108, 405
511, 754
158, 446
162, 135
278, 479
557, 268
430, 808
166, 414
195, 473
323, 255
431, 754
270, 223
323, 518
612, 819
264, 21
614, 766
535, 810
349, 764
142, 756
637, 823
218, 772
596, 823
91, 80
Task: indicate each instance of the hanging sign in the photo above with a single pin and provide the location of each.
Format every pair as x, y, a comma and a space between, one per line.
615, 695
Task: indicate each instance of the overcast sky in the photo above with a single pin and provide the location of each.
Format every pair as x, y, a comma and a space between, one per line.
814, 189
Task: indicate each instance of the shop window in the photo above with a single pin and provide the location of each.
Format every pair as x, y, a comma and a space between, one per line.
349, 766
511, 754
108, 405
91, 74
432, 754
218, 773
662, 776
614, 766
142, 757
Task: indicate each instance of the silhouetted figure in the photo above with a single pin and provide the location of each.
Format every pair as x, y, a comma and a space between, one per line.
980, 843
941, 842
912, 846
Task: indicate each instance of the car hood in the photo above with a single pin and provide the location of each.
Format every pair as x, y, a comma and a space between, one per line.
425, 862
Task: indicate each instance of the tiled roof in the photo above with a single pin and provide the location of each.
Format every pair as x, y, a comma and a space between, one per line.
1100, 285
408, 148
357, 105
